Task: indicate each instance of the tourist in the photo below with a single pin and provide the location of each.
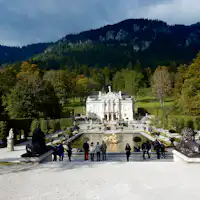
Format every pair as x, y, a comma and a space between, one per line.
61, 152
92, 151
162, 150
148, 146
55, 151
103, 150
86, 150
128, 151
69, 151
98, 151
157, 148
144, 150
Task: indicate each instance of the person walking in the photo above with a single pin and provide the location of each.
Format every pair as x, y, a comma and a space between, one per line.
69, 151
162, 150
128, 151
98, 151
103, 150
144, 149
55, 152
61, 152
157, 148
148, 147
92, 151
86, 150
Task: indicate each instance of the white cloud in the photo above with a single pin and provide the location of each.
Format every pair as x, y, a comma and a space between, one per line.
31, 21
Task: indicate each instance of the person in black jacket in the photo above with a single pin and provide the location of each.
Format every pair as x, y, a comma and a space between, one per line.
157, 148
144, 149
61, 152
148, 148
128, 151
55, 153
162, 150
86, 150
69, 151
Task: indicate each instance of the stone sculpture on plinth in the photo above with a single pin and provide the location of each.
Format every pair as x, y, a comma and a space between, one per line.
10, 141
38, 146
187, 145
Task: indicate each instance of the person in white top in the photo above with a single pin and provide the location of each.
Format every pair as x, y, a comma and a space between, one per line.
92, 151
98, 151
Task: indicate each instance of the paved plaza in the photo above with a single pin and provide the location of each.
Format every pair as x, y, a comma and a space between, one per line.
106, 181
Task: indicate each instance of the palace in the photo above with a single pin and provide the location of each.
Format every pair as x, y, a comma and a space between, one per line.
111, 106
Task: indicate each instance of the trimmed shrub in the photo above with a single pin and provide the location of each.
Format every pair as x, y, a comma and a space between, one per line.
172, 140
189, 124
197, 123
44, 126
172, 131
51, 124
3, 130
57, 125
35, 124
65, 123
137, 139
50, 131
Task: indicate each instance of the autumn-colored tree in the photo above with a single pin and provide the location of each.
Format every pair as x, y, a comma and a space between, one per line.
28, 69
161, 83
31, 97
189, 100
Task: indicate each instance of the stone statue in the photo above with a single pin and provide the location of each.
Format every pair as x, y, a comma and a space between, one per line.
187, 145
11, 134
38, 146
10, 140
109, 88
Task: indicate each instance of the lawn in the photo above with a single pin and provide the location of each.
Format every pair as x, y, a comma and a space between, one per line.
152, 105
76, 105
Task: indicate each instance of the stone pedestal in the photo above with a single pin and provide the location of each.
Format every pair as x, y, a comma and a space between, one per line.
179, 157
10, 144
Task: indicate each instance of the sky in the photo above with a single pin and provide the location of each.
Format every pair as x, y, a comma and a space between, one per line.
25, 22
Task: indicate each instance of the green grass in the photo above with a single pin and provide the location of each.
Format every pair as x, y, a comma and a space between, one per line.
8, 163
76, 105
152, 105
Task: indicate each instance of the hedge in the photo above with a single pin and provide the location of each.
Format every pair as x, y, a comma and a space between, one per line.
57, 125
44, 125
35, 124
65, 123
51, 124
3, 130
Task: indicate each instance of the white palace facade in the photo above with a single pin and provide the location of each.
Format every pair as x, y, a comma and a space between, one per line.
111, 106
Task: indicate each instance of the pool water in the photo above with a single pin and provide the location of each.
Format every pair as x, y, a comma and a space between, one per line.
123, 139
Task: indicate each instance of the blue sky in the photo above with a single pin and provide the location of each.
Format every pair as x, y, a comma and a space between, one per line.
30, 21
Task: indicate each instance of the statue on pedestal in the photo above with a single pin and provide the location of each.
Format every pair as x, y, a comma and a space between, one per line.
10, 140
38, 146
187, 145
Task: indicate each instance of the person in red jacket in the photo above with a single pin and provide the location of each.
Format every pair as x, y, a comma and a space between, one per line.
86, 150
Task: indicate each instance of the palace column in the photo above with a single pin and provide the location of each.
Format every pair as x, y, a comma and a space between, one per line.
112, 116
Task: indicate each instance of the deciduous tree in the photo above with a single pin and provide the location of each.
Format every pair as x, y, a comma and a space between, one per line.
161, 83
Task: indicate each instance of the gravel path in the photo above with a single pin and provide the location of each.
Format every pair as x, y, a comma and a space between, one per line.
106, 181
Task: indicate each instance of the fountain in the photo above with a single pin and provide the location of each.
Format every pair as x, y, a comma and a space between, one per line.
113, 139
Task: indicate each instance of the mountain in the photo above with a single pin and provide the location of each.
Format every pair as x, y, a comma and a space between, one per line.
151, 42
14, 54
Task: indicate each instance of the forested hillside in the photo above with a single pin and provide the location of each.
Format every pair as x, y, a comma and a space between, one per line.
148, 42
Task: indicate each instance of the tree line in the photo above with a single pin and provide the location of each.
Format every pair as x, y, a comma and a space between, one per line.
30, 92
